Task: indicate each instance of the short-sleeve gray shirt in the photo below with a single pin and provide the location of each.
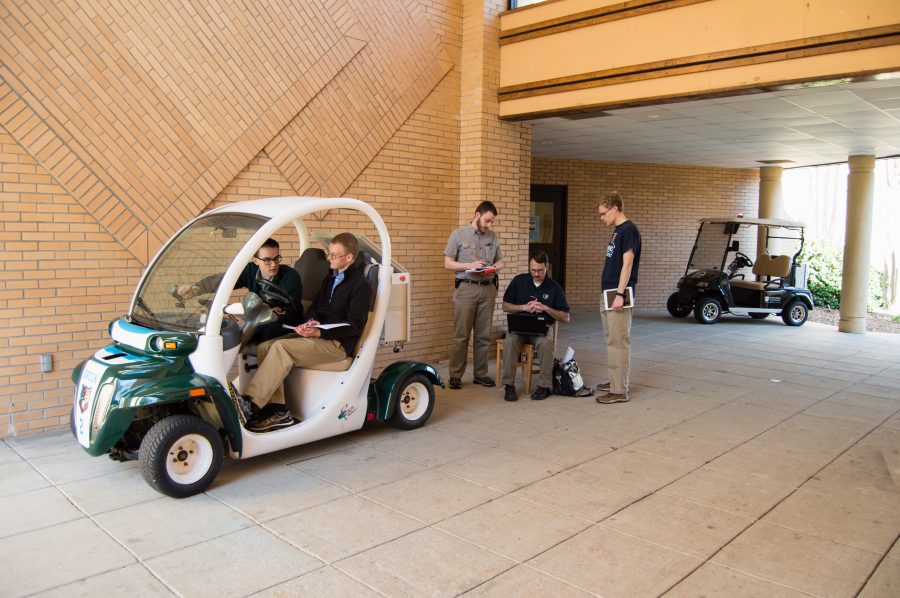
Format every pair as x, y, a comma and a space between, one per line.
467, 245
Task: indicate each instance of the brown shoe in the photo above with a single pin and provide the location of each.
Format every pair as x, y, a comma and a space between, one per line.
611, 397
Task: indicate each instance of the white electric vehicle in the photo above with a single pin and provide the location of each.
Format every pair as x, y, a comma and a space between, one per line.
163, 391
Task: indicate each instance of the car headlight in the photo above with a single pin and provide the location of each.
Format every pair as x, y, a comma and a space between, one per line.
101, 407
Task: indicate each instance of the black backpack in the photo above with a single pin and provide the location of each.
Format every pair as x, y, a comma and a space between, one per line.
567, 380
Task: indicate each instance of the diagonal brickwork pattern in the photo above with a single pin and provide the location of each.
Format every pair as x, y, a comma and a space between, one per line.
145, 110
120, 122
335, 136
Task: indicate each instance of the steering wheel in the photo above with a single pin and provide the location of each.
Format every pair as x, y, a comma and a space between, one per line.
273, 294
740, 261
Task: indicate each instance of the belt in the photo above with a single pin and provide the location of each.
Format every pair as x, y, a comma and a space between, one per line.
478, 282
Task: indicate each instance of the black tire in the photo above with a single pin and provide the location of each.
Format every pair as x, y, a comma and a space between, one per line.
708, 310
675, 309
795, 313
415, 402
758, 316
181, 455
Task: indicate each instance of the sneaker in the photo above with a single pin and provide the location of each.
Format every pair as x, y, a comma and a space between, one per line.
540, 393
611, 397
603, 387
486, 381
278, 418
246, 407
509, 393
455, 383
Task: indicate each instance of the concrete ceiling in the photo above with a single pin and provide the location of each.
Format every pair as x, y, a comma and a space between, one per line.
820, 124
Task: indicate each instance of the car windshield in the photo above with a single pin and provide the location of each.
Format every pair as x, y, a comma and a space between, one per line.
200, 254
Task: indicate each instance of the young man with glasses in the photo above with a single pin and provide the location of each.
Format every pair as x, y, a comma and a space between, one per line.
343, 298
266, 265
473, 253
620, 271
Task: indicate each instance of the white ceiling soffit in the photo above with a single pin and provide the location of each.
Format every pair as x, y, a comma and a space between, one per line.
796, 126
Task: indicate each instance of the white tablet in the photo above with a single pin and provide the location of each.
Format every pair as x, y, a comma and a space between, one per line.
610, 295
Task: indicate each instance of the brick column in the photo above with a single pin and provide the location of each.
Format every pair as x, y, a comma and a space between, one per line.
495, 156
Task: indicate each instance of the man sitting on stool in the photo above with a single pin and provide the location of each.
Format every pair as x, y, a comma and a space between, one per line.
533, 293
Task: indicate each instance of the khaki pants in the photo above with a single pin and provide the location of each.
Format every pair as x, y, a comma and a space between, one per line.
279, 356
473, 307
512, 346
617, 330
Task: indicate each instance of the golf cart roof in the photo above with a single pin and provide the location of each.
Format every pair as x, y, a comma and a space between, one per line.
276, 206
756, 221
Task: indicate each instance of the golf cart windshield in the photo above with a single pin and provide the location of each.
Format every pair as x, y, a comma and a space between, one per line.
711, 245
203, 251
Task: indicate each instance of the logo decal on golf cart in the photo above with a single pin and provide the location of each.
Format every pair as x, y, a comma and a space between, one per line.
346, 411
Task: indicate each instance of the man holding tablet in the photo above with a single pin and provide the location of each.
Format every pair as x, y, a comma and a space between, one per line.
620, 274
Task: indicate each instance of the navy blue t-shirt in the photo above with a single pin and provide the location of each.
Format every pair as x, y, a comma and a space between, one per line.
521, 290
625, 237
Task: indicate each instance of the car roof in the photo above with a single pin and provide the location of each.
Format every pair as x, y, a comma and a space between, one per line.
756, 221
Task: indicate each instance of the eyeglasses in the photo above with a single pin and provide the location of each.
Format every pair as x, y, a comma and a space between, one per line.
270, 260
334, 256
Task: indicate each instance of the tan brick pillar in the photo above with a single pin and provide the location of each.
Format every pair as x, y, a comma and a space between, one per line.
770, 201
495, 156
857, 238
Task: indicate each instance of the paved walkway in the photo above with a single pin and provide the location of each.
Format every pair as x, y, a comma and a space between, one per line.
753, 459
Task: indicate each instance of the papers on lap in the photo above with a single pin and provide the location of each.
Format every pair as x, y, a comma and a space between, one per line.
322, 326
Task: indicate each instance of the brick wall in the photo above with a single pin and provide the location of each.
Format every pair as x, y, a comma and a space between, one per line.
119, 123
63, 277
664, 201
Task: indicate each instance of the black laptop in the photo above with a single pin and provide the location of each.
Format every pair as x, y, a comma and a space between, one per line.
528, 324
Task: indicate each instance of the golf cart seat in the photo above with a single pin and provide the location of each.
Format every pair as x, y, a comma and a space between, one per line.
312, 267
775, 267
370, 271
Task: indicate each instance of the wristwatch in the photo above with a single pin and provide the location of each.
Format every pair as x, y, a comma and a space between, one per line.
620, 294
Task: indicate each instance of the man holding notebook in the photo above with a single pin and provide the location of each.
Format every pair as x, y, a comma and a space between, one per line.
343, 298
620, 274
539, 296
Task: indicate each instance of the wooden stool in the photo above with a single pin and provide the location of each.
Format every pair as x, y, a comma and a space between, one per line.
525, 359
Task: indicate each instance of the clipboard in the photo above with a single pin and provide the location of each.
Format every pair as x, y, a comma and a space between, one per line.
609, 296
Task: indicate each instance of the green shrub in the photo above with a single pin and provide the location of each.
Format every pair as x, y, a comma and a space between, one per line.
825, 267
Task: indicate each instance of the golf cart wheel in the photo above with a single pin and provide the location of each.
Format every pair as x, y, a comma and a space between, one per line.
181, 455
758, 316
795, 313
708, 310
415, 402
675, 309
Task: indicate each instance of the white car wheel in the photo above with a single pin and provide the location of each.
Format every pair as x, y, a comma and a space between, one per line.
189, 459
415, 402
181, 455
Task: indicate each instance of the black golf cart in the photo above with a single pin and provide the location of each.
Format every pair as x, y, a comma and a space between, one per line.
776, 283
